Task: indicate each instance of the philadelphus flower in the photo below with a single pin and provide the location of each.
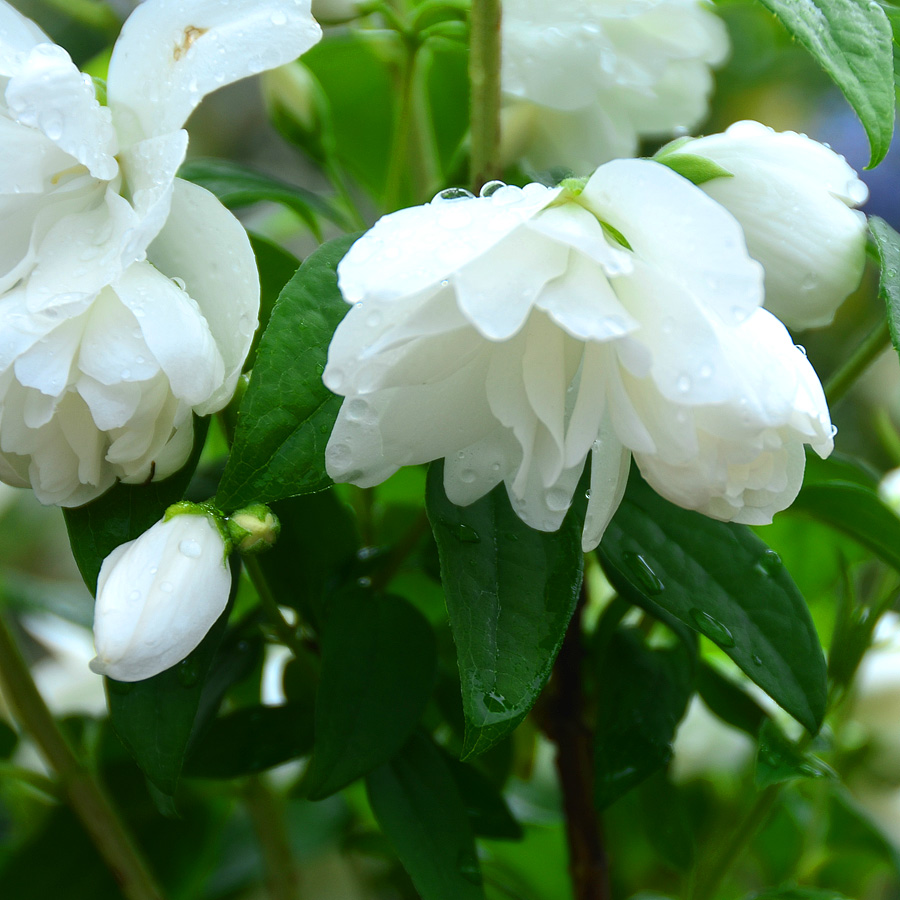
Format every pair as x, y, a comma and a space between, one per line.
517, 332
128, 298
794, 198
585, 79
158, 596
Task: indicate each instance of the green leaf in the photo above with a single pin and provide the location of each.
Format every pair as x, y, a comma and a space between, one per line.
488, 813
887, 245
852, 41
726, 700
276, 268
250, 740
378, 670
642, 696
156, 718
721, 580
237, 185
8, 740
287, 413
854, 510
418, 806
698, 169
779, 760
510, 592
125, 512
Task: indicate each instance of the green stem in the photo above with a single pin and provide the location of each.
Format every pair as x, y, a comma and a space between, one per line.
484, 79
709, 880
282, 877
339, 182
83, 791
286, 632
865, 354
403, 125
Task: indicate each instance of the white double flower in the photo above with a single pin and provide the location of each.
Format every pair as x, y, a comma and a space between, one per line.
515, 333
585, 80
128, 297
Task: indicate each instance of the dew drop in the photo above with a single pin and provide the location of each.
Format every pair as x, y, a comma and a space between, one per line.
706, 370
465, 534
491, 188
278, 18
452, 194
467, 476
134, 596
190, 548
643, 573
495, 703
125, 374
188, 672
166, 587
373, 320
683, 383
468, 867
557, 499
801, 348
712, 628
769, 563
179, 283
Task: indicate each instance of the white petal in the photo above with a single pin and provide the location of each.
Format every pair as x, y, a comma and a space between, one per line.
207, 248
174, 331
18, 36
111, 405
610, 463
158, 596
688, 236
476, 470
47, 365
50, 94
170, 55
29, 159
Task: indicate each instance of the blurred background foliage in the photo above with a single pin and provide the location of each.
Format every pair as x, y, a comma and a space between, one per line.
835, 828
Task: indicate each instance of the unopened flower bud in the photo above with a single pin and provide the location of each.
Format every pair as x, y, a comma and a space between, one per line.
158, 595
254, 528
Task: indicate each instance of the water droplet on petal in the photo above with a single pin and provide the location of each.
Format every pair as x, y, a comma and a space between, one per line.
491, 188
134, 596
452, 194
467, 476
683, 383
801, 348
190, 548
179, 283
278, 18
712, 628
166, 587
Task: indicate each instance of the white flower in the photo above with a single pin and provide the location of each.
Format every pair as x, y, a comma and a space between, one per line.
586, 79
705, 745
794, 198
158, 596
889, 490
513, 334
128, 298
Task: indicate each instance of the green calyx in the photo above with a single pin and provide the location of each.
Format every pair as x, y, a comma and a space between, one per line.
213, 513
253, 529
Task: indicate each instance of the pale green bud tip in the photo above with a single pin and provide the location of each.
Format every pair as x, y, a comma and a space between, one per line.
293, 88
574, 186
187, 508
254, 528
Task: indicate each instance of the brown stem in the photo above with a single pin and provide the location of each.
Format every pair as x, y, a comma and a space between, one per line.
588, 864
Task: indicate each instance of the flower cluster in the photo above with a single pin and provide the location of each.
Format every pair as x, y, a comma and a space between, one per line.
518, 332
584, 81
128, 297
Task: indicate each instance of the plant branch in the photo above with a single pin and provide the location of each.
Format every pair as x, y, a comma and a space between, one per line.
588, 864
286, 632
282, 877
484, 81
83, 791
865, 354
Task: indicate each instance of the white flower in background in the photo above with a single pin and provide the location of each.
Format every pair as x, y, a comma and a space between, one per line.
128, 297
584, 80
513, 334
889, 490
794, 198
705, 745
158, 596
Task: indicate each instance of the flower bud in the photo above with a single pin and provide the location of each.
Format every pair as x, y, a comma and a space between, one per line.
335, 10
158, 595
253, 529
794, 198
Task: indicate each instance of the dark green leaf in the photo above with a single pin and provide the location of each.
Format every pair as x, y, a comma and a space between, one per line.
667, 821
276, 268
510, 592
697, 169
8, 740
851, 828
488, 813
780, 760
287, 413
729, 702
237, 185
251, 740
642, 696
378, 669
124, 512
856, 511
887, 244
721, 580
157, 718
419, 808
852, 41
